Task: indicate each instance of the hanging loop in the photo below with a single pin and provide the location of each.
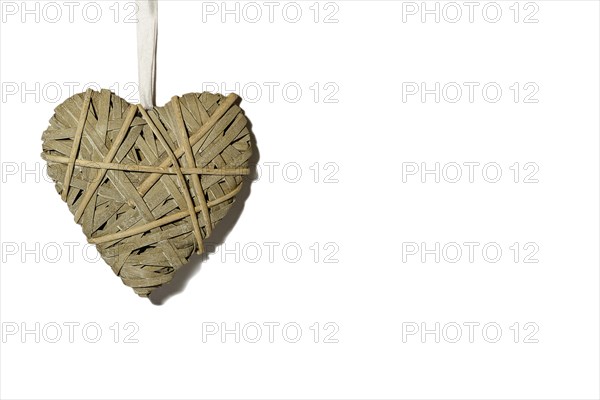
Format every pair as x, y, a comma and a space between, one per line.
147, 29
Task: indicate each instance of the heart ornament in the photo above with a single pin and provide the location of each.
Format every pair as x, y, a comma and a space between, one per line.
147, 186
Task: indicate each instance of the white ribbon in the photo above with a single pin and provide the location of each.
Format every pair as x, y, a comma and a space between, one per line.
147, 28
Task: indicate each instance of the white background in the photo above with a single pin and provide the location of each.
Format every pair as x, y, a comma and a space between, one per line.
371, 296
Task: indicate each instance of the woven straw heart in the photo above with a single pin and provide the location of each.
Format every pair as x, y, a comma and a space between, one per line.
147, 186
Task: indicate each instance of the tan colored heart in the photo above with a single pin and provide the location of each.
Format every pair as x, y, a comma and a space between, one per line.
147, 186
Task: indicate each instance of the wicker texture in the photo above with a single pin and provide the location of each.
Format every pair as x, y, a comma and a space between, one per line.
147, 186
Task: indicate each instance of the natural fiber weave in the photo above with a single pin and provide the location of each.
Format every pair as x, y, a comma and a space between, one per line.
147, 186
